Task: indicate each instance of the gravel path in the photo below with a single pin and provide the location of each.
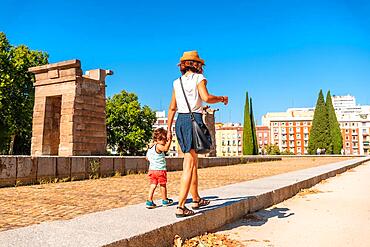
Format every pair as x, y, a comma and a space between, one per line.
26, 205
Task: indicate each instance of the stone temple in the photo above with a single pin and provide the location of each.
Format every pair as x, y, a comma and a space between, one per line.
69, 111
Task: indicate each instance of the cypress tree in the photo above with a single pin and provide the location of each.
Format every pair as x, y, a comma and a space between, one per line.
319, 134
247, 130
253, 127
335, 133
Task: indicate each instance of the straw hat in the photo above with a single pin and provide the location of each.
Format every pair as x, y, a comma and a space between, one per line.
191, 56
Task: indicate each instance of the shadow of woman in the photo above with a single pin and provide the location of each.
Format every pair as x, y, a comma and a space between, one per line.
260, 218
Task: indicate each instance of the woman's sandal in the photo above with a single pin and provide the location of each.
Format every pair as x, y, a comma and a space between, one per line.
185, 212
201, 203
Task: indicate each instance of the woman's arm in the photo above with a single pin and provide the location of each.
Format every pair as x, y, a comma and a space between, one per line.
164, 148
209, 98
171, 114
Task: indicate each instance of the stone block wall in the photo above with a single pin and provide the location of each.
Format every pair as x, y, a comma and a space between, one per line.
29, 170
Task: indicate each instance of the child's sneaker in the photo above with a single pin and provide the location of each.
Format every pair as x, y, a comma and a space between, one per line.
167, 202
150, 204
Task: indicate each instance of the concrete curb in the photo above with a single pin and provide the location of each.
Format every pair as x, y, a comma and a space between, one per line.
135, 226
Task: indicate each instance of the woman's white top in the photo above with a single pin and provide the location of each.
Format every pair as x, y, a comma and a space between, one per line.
190, 83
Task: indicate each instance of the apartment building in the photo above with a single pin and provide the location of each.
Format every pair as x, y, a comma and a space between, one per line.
263, 136
290, 130
229, 139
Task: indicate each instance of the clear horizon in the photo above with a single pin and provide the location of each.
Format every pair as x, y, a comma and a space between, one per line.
282, 53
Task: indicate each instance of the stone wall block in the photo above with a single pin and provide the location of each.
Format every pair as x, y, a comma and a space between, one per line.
136, 165
26, 169
46, 167
78, 169
8, 170
106, 167
119, 165
142, 165
63, 167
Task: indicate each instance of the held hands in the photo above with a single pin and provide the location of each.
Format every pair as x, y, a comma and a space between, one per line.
169, 135
225, 100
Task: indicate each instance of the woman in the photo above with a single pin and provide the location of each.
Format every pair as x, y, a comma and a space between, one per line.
195, 87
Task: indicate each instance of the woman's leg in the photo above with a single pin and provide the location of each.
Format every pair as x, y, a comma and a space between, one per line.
194, 178
186, 178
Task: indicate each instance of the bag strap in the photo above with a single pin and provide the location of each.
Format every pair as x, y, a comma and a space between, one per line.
187, 102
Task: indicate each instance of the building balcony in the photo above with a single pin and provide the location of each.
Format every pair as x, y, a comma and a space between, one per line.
366, 143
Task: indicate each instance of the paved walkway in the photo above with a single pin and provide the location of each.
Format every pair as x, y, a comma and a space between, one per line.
27, 205
335, 212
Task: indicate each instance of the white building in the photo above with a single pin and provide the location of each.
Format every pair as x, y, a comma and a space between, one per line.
286, 127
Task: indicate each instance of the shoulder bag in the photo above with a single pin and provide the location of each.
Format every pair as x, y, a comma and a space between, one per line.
202, 141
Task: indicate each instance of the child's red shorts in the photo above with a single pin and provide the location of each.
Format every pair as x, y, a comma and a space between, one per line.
157, 177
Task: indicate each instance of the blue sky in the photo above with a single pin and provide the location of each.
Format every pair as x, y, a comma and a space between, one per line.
281, 52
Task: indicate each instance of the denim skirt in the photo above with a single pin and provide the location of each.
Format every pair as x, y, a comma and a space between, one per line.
184, 130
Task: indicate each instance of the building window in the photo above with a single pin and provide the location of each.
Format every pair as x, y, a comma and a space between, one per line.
265, 135
347, 130
299, 136
260, 134
290, 123
283, 124
298, 129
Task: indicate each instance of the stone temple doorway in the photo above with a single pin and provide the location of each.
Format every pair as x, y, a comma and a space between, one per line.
51, 137
69, 110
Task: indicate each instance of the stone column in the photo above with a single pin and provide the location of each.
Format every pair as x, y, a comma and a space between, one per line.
209, 120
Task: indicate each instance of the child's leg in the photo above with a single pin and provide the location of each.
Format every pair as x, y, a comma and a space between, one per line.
151, 191
163, 191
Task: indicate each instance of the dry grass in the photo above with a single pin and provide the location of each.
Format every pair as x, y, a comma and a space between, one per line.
208, 240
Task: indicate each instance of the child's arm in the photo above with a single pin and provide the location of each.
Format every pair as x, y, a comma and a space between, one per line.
164, 148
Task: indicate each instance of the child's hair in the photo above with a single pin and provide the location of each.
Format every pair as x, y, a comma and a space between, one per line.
159, 134
193, 66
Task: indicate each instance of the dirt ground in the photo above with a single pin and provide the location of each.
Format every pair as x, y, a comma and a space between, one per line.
26, 205
335, 212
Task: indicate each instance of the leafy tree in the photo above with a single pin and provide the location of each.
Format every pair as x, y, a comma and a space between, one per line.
253, 127
335, 133
17, 95
248, 147
129, 126
272, 149
320, 133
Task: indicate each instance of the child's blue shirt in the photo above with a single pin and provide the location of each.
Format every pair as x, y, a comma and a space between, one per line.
157, 161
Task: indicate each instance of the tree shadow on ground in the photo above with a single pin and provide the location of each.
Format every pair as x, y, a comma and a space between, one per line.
260, 218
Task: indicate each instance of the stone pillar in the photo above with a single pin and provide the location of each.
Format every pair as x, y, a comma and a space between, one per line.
69, 110
209, 120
